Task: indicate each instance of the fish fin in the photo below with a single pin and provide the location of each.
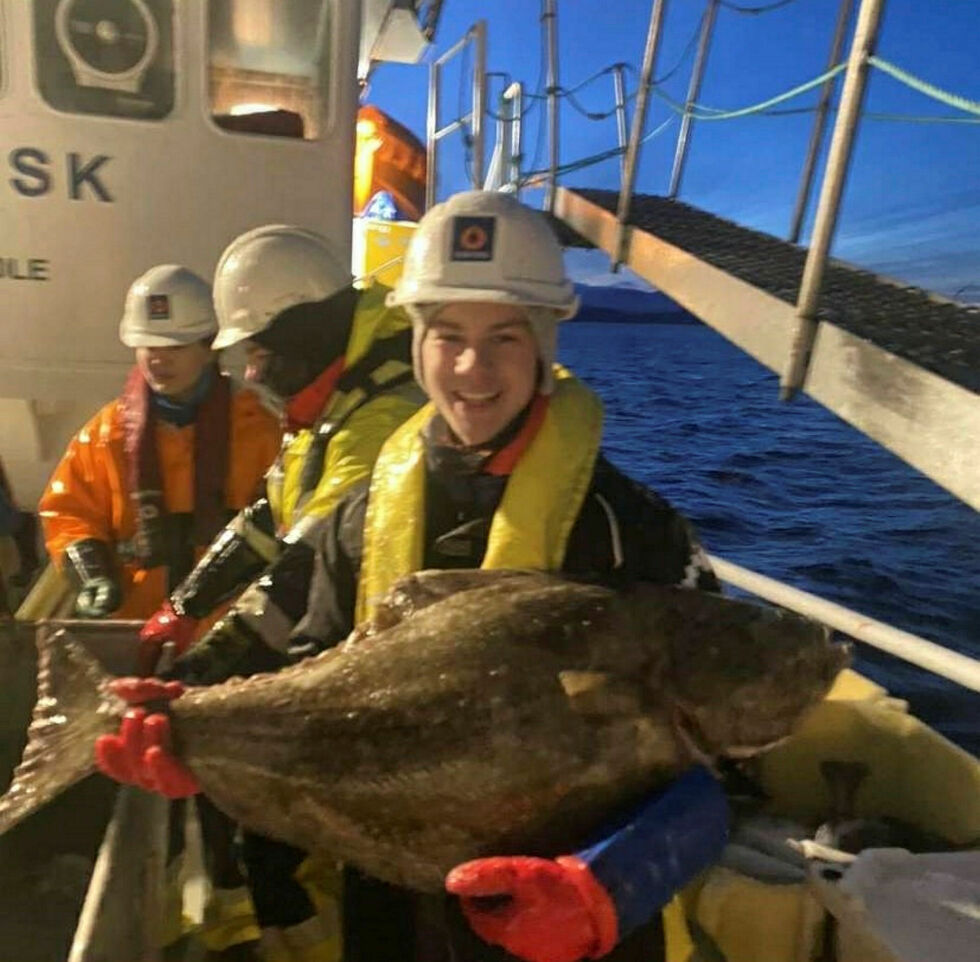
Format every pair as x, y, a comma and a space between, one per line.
71, 711
599, 693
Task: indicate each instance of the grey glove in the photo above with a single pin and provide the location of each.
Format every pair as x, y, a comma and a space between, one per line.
98, 597
89, 561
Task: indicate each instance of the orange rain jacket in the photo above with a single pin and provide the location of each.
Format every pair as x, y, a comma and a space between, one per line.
87, 496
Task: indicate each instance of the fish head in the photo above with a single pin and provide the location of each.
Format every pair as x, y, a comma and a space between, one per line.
740, 674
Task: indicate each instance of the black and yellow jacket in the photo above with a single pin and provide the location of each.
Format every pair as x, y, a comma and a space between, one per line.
316, 466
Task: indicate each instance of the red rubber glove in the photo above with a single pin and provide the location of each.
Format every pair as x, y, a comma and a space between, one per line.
140, 754
166, 625
538, 909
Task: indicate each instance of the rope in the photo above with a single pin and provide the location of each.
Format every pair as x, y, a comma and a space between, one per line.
755, 10
593, 159
684, 54
876, 115
913, 119
595, 115
923, 87
701, 112
603, 115
588, 80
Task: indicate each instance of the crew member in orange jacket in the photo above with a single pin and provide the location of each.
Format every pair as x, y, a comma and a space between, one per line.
149, 481
141, 491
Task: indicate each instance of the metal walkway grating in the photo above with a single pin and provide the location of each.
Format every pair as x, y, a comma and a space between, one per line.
899, 364
937, 334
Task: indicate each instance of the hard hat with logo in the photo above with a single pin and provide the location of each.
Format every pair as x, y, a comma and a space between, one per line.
268, 270
487, 246
166, 307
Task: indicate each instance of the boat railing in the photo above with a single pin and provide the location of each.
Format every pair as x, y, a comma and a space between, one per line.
504, 173
507, 175
475, 40
902, 644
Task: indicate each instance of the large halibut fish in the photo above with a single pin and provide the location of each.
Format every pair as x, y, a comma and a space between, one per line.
477, 713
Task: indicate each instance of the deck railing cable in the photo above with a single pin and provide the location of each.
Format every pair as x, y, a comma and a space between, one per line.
902, 644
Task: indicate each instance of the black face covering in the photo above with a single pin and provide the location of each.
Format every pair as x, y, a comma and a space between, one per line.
286, 377
305, 340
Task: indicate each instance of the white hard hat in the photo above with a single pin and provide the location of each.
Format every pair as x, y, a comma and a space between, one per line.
485, 246
266, 271
166, 307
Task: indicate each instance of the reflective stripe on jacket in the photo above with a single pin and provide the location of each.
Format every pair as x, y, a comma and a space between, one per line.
530, 528
87, 496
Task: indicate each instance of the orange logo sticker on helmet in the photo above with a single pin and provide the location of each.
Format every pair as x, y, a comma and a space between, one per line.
473, 238
158, 307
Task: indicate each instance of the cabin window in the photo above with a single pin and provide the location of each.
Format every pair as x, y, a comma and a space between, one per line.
108, 57
267, 65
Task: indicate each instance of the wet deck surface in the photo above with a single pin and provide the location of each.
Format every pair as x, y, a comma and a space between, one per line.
937, 334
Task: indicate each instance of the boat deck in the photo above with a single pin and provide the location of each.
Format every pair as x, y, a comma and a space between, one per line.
899, 363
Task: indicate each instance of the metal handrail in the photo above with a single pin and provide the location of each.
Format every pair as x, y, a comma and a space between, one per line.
636, 129
831, 191
505, 158
911, 648
477, 36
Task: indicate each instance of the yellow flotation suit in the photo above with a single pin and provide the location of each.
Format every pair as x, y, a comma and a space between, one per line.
914, 775
530, 528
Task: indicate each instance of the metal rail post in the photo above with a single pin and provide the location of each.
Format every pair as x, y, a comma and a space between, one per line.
819, 124
697, 75
515, 97
841, 144
620, 88
431, 113
477, 35
636, 129
549, 17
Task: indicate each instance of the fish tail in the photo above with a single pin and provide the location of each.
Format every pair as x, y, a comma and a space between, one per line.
73, 708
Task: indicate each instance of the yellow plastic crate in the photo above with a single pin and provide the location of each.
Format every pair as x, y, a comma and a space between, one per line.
378, 249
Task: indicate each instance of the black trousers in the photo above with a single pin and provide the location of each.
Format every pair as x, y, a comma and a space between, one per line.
381, 921
386, 923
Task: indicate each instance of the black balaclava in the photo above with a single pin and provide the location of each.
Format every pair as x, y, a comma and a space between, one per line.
305, 340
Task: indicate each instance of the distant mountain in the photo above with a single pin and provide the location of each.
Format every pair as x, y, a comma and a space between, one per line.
625, 303
622, 296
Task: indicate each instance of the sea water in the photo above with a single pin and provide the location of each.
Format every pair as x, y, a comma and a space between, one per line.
793, 492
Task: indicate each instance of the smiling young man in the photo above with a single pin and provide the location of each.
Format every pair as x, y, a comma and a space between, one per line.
501, 469
482, 368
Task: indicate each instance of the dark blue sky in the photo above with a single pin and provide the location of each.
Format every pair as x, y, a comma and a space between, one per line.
912, 206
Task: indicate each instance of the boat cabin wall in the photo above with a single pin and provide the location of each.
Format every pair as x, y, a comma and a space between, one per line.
140, 132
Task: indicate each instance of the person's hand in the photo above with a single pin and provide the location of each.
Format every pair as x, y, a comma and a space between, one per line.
140, 754
540, 910
166, 625
98, 597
